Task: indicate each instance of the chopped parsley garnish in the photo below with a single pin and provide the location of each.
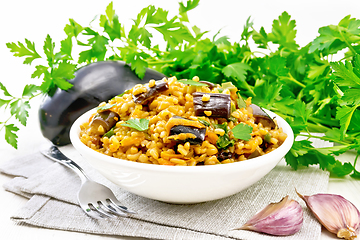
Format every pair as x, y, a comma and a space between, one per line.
105, 107
127, 91
138, 124
240, 101
192, 83
109, 133
205, 123
242, 131
224, 141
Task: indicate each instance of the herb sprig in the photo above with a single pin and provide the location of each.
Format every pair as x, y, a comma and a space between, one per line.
138, 124
300, 84
242, 131
224, 141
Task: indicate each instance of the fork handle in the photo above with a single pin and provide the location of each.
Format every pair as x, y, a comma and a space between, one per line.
56, 155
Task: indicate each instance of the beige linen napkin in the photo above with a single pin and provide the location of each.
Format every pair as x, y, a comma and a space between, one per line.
52, 188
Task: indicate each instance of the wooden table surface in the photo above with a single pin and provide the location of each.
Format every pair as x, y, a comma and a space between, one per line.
37, 18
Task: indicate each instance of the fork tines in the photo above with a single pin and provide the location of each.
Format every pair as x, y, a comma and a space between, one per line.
107, 209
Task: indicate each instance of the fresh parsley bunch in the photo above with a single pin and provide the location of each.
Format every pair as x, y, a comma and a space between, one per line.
301, 84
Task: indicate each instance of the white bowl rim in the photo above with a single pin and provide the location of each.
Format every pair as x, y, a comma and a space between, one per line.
253, 162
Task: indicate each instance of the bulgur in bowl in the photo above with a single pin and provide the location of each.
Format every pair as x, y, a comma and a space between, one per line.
182, 141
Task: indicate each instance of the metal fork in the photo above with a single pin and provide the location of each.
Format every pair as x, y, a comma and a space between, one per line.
97, 200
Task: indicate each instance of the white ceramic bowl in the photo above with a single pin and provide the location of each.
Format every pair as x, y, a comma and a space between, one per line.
182, 184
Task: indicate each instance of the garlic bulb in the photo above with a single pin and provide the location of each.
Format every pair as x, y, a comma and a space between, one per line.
282, 218
335, 213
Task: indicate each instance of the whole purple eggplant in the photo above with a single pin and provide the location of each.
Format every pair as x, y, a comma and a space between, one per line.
93, 83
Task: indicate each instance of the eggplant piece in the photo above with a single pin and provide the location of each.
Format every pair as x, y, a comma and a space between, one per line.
210, 84
151, 92
177, 120
224, 155
261, 116
93, 84
185, 130
187, 134
219, 104
107, 119
255, 154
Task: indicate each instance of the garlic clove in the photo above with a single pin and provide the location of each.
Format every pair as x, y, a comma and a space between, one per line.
335, 213
281, 218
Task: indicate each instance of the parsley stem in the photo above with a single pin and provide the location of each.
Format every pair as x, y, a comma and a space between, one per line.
356, 158
253, 53
315, 124
325, 138
217, 68
346, 42
328, 122
4, 123
156, 62
292, 79
312, 127
40, 93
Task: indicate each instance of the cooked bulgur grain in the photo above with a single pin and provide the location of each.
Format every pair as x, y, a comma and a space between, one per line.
165, 130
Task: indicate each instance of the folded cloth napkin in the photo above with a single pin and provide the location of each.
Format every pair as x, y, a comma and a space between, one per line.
52, 189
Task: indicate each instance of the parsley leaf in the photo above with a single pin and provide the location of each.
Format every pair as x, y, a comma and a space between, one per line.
344, 115
260, 38
66, 47
64, 71
356, 174
190, 4
97, 43
20, 50
110, 133
351, 97
49, 46
301, 113
10, 134
340, 169
4, 102
138, 124
73, 29
246, 34
224, 141
110, 23
334, 38
242, 131
105, 107
277, 66
283, 32
238, 71
5, 91
40, 70
192, 83
125, 92
139, 65
174, 33
240, 101
205, 123
30, 90
19, 109
298, 150
345, 72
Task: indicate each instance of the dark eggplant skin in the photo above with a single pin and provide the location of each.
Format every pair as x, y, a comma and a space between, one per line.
184, 127
151, 92
93, 84
198, 132
219, 104
261, 115
107, 119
